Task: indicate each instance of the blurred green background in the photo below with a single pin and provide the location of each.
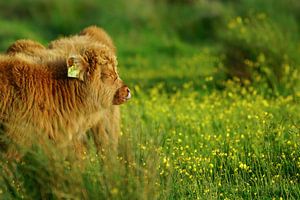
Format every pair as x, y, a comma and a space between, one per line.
176, 41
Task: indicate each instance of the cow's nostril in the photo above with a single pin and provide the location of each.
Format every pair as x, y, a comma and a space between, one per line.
128, 94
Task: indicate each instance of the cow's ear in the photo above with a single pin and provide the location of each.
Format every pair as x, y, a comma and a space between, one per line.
76, 67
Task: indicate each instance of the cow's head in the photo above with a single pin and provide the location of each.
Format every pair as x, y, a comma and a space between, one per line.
97, 67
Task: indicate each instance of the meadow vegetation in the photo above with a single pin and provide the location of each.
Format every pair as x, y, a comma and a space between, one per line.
215, 107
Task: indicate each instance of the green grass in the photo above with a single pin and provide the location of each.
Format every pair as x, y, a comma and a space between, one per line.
233, 144
191, 130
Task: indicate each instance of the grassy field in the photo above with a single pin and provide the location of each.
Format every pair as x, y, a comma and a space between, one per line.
215, 107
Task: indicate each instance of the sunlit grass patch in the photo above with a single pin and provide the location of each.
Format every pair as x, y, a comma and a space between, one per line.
236, 137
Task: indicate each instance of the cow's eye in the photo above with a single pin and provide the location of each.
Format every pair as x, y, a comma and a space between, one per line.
108, 77
104, 75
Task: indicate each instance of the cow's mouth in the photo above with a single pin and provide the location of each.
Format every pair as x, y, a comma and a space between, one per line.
122, 95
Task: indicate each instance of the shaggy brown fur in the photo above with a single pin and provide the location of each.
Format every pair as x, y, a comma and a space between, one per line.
106, 131
37, 95
87, 35
29, 47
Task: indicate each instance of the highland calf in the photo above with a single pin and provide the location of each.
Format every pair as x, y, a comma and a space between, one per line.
106, 132
61, 92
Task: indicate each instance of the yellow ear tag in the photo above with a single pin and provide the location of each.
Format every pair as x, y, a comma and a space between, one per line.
73, 72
